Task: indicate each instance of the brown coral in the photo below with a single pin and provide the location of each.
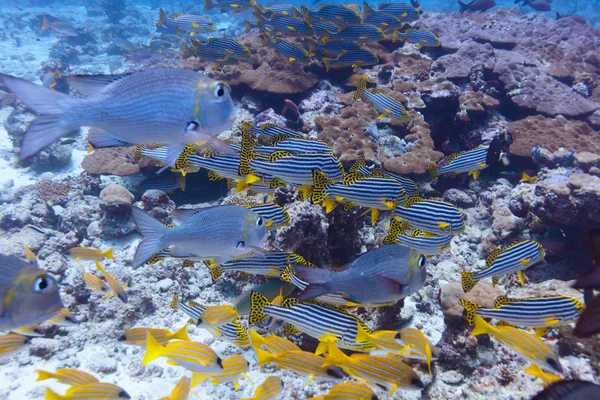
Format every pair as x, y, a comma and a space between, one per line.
110, 161
552, 134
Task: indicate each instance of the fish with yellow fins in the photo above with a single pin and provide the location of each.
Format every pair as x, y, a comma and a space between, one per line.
192, 24
12, 343
348, 391
270, 389
351, 58
181, 391
386, 105
421, 38
116, 288
233, 367
89, 253
472, 161
90, 391
137, 336
431, 216
235, 6
68, 376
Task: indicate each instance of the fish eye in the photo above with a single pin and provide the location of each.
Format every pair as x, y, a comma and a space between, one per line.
259, 221
240, 244
422, 260
220, 90
41, 283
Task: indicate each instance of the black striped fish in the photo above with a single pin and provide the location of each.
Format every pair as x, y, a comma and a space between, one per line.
312, 318
320, 26
287, 25
207, 55
403, 11
534, 312
515, 257
471, 161
233, 332
431, 216
387, 106
380, 19
428, 245
228, 5
190, 23
296, 169
262, 11
373, 193
164, 183
288, 50
274, 215
295, 146
270, 133
222, 46
332, 49
355, 33
301, 362
270, 264
354, 59
287, 10
338, 14
360, 166
264, 26
421, 37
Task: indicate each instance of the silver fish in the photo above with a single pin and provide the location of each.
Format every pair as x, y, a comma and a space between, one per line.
215, 233
384, 275
167, 105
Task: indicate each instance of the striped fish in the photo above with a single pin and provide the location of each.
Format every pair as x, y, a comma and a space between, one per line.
63, 318
295, 146
164, 183
380, 19
270, 133
97, 390
181, 391
300, 362
233, 332
113, 284
222, 46
471, 161
233, 367
354, 33
515, 257
313, 319
193, 24
354, 59
287, 10
68, 376
527, 345
288, 50
331, 49
533, 312
295, 169
403, 11
388, 372
348, 391
387, 106
431, 216
34, 330
360, 166
137, 336
287, 25
382, 340
192, 356
274, 216
270, 389
95, 284
320, 26
338, 14
207, 55
12, 343
426, 244
373, 193
264, 26
273, 343
421, 37
228, 5
417, 345
217, 315
269, 264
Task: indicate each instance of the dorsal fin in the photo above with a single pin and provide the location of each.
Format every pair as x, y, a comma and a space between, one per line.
179, 216
502, 300
93, 85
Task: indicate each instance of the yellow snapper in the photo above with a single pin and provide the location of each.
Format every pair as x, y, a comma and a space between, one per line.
28, 294
233, 367
90, 391
270, 389
89, 253
12, 343
348, 391
137, 336
68, 376
181, 391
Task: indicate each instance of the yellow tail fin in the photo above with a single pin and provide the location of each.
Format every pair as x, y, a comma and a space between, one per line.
362, 335
153, 349
181, 334
482, 327
109, 254
51, 395
257, 339
335, 356
162, 17
264, 357
43, 375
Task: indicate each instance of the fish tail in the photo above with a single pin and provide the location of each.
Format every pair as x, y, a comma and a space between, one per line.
162, 17
109, 254
152, 230
318, 279
470, 308
335, 356
182, 333
467, 281
52, 106
257, 304
327, 62
216, 271
362, 334
463, 7
433, 171
312, 46
153, 349
45, 23
186, 52
320, 185
43, 375
199, 377
248, 26
207, 5
395, 37
259, 20
173, 305
326, 36
52, 395
305, 14
246, 153
256, 339
397, 228
367, 10
360, 88
482, 327
264, 357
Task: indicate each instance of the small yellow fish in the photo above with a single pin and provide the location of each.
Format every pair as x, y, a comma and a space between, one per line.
137, 336
273, 343
547, 377
89, 253
90, 391
96, 284
418, 346
233, 367
193, 356
68, 376
217, 315
12, 343
63, 318
29, 330
348, 391
113, 284
270, 389
528, 179
181, 391
383, 340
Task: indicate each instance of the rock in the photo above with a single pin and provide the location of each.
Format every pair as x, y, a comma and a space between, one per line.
484, 294
459, 197
115, 193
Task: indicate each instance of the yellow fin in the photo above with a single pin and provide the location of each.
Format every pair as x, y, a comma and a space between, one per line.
521, 276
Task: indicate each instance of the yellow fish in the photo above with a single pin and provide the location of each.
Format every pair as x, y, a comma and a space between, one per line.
193, 356
113, 284
273, 343
12, 343
90, 391
68, 376
270, 389
528, 179
233, 367
137, 336
217, 315
348, 391
89, 253
181, 391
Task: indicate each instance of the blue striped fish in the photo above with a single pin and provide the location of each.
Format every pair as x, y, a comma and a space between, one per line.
421, 37
320, 26
190, 23
354, 59
301, 362
274, 215
270, 264
338, 14
428, 245
380, 19
373, 193
360, 166
387, 106
354, 33
292, 168
515, 257
287, 10
223, 46
403, 11
290, 51
312, 318
164, 183
431, 216
288, 25
270, 133
206, 55
471, 161
295, 146
264, 26
228, 5
332, 49
534, 312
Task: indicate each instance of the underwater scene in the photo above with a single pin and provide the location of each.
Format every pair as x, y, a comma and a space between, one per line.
325, 200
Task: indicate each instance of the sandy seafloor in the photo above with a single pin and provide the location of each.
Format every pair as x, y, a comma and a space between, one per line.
93, 346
